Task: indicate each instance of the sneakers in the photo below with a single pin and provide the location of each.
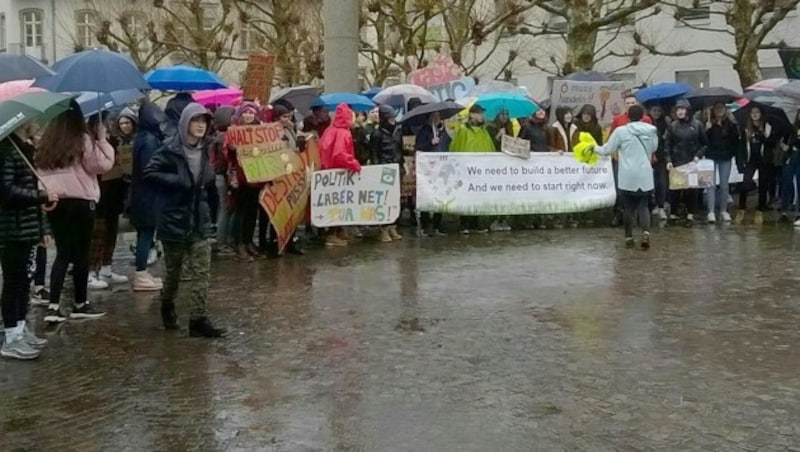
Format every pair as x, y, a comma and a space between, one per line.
110, 277
54, 315
40, 297
629, 243
711, 218
645, 240
496, 227
661, 213
465, 231
32, 340
145, 282
85, 311
394, 234
95, 283
479, 231
152, 258
504, 224
726, 217
334, 240
18, 349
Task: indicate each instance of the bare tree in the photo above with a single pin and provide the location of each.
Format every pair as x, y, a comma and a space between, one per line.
590, 31
747, 22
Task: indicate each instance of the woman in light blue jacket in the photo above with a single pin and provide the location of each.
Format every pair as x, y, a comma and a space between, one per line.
636, 143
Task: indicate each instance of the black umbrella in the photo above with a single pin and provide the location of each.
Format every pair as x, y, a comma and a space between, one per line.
589, 76
445, 109
706, 97
775, 116
22, 67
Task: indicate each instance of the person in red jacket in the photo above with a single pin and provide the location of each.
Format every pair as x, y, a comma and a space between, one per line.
337, 151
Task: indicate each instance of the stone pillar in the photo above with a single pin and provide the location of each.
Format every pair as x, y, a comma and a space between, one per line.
341, 45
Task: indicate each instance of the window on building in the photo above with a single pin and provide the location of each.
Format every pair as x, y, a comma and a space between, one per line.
2, 32
628, 77
32, 21
85, 26
134, 24
773, 72
247, 38
695, 79
694, 12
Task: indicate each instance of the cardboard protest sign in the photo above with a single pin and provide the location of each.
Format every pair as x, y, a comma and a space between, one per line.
515, 147
262, 153
342, 198
285, 199
692, 175
123, 163
606, 97
258, 77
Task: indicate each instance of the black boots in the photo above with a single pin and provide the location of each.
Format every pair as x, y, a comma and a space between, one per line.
202, 327
168, 315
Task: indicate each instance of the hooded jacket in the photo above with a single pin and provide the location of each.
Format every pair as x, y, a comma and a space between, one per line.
184, 183
386, 144
144, 197
686, 138
336, 146
117, 137
472, 138
592, 127
21, 218
636, 142
173, 112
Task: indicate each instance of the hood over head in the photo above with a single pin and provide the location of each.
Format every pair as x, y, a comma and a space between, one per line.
176, 105
222, 117
126, 113
588, 109
683, 103
279, 110
343, 118
245, 106
191, 111
151, 117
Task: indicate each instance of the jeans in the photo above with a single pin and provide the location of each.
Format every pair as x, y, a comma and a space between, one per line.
635, 208
15, 258
791, 181
144, 242
717, 197
223, 216
72, 223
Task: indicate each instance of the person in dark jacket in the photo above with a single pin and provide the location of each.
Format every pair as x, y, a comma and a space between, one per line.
219, 161
173, 112
499, 127
791, 174
660, 173
723, 145
535, 131
756, 154
386, 146
686, 142
183, 175
145, 203
22, 226
588, 122
429, 139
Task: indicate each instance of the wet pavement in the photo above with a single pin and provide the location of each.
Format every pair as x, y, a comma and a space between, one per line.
543, 340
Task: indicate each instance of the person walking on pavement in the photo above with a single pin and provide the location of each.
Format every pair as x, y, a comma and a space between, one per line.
472, 137
71, 157
636, 143
184, 177
686, 142
386, 147
144, 198
723, 144
22, 226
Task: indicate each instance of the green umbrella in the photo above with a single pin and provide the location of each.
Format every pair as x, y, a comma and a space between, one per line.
39, 106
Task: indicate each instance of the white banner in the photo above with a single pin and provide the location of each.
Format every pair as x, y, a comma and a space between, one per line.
342, 198
498, 184
605, 96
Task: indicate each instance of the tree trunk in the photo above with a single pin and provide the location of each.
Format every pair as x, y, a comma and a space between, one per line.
581, 43
747, 67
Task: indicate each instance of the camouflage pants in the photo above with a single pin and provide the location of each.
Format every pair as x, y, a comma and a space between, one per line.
195, 255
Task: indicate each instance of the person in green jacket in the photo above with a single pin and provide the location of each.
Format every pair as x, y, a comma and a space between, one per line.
472, 137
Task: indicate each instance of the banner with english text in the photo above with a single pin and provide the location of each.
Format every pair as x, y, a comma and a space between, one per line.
498, 184
342, 198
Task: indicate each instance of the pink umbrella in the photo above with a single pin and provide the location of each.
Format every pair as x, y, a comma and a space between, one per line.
224, 96
16, 87
769, 84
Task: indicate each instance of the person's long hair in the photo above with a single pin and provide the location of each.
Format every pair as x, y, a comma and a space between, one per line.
61, 144
504, 125
751, 127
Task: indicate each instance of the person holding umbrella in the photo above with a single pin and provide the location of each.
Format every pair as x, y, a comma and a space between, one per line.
756, 154
71, 157
22, 225
386, 146
686, 142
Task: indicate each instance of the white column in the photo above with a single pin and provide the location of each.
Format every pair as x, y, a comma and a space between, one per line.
341, 45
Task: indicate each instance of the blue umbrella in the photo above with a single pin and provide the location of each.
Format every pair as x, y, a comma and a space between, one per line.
98, 71
92, 103
662, 91
183, 78
357, 102
22, 67
517, 105
372, 92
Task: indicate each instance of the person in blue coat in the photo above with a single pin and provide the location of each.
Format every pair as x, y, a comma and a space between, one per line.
144, 198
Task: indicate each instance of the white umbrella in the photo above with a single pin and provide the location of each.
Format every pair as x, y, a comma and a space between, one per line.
405, 92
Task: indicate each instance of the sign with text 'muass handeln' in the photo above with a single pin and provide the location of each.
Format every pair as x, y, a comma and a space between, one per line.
343, 198
498, 184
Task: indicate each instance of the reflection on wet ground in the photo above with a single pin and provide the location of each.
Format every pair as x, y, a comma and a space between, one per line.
551, 340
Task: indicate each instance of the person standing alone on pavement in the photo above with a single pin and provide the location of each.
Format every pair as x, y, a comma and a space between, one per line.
184, 177
22, 226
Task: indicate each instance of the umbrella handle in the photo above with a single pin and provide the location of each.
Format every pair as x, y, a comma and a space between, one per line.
50, 207
33, 170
